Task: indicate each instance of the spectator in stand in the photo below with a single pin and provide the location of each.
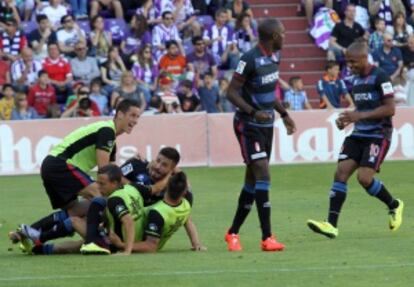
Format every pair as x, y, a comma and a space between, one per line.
4, 73
220, 39
236, 9
164, 32
129, 89
312, 5
188, 100
150, 12
84, 68
209, 94
54, 11
112, 70
100, 39
79, 9
140, 35
98, 96
389, 58
173, 63
24, 71
41, 37
7, 102
400, 30
59, 72
344, 34
331, 88
224, 104
245, 35
201, 61
184, 15
69, 36
22, 110
42, 94
81, 105
145, 71
376, 38
111, 5
12, 41
408, 57
385, 9
170, 102
295, 98
8, 11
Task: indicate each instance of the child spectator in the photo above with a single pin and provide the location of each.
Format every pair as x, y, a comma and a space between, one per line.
7, 102
225, 105
22, 110
376, 38
168, 96
173, 63
42, 94
97, 95
209, 94
188, 100
295, 98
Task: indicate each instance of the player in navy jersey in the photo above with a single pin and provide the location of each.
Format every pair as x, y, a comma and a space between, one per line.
365, 149
252, 91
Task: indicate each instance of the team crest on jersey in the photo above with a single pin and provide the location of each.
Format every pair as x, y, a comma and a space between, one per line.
153, 227
119, 209
110, 143
240, 67
127, 169
387, 88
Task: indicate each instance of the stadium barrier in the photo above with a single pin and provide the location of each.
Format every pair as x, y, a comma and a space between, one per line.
203, 139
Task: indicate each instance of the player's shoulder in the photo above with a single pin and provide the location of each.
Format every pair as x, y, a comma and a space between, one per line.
380, 74
251, 54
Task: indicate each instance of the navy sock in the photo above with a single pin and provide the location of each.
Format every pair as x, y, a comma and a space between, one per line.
377, 189
263, 207
337, 198
94, 219
49, 221
246, 200
61, 229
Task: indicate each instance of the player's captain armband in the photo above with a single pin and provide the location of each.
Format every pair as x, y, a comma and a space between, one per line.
126, 169
240, 67
387, 89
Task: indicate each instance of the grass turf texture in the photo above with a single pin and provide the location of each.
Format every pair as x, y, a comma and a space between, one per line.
366, 253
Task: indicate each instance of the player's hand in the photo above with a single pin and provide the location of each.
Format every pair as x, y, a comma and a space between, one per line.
348, 117
289, 124
262, 116
199, 248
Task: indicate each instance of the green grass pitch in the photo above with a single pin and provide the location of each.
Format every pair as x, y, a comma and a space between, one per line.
366, 253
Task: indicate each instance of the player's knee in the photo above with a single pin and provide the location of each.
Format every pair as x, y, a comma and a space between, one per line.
364, 180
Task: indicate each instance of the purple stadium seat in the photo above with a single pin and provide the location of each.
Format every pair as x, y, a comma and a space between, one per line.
84, 25
205, 20
119, 29
28, 26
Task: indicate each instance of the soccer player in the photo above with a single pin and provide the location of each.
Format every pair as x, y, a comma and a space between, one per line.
365, 149
252, 91
64, 173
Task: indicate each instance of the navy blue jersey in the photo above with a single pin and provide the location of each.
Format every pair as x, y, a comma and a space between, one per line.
260, 72
369, 93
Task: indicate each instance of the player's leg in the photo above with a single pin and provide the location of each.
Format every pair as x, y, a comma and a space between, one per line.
67, 247
374, 153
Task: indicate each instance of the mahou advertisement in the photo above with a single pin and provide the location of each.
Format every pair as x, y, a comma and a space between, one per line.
203, 140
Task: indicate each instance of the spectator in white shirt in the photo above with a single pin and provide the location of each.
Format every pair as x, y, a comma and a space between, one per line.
24, 71
69, 36
55, 11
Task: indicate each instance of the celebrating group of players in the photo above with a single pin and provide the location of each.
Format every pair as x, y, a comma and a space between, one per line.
137, 207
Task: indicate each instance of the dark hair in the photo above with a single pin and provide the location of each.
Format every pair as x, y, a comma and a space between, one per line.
170, 153
113, 172
93, 20
239, 21
125, 105
63, 19
220, 11
177, 185
41, 72
293, 80
141, 56
165, 13
377, 20
208, 73
52, 44
10, 86
139, 30
170, 43
41, 17
187, 84
330, 65
96, 81
196, 39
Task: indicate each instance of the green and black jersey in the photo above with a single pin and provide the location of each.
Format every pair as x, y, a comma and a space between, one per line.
79, 147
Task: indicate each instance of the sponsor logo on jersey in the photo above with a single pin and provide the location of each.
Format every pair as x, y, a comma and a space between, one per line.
127, 169
153, 227
270, 78
362, 97
119, 209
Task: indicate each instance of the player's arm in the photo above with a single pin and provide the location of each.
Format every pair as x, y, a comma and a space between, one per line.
287, 120
192, 233
104, 144
129, 225
153, 232
120, 212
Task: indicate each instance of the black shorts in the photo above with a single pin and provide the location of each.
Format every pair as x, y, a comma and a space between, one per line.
255, 142
367, 152
62, 181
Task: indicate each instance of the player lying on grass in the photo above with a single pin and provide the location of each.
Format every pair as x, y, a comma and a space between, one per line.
131, 226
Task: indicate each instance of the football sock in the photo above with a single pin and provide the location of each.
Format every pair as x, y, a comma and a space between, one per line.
246, 200
263, 206
49, 221
43, 249
337, 198
61, 229
377, 189
94, 219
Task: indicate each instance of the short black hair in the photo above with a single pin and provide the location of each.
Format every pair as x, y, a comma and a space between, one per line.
171, 153
294, 79
10, 86
113, 172
220, 11
177, 185
125, 105
170, 43
196, 39
330, 64
165, 13
63, 18
41, 72
41, 17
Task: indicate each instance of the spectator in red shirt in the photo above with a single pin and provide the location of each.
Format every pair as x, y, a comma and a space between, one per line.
12, 41
42, 95
4, 73
173, 63
59, 72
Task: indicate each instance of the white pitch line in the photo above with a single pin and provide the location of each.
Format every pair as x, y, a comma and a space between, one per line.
211, 272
